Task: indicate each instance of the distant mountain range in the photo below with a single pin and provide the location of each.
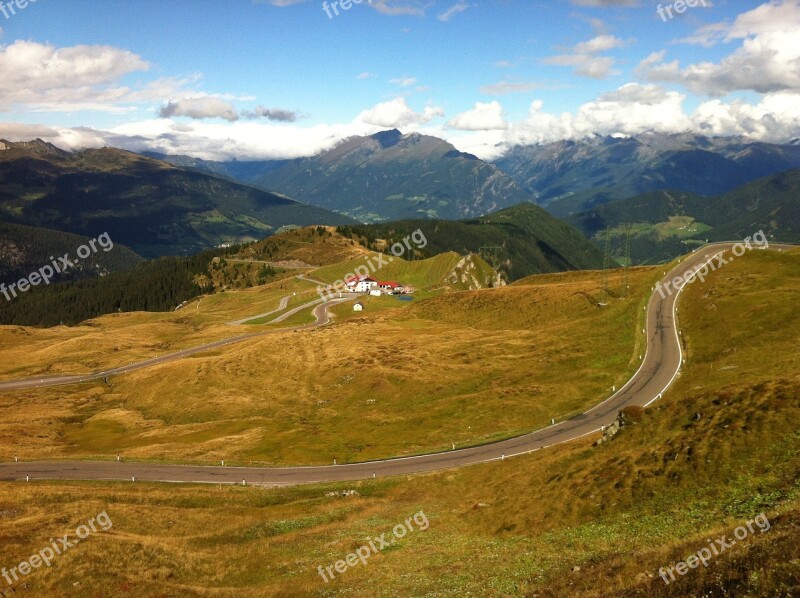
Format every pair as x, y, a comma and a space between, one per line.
391, 176
571, 176
386, 176
666, 224
153, 207
518, 241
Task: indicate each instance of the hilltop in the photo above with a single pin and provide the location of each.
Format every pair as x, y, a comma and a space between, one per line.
518, 241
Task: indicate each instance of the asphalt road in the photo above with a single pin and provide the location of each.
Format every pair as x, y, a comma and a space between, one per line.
660, 366
321, 319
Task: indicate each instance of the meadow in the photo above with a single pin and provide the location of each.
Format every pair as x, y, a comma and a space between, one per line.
721, 447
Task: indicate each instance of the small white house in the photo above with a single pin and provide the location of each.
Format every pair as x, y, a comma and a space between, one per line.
358, 306
376, 292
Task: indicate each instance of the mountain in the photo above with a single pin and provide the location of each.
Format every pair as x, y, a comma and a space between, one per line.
151, 206
572, 176
25, 249
238, 171
517, 242
389, 176
665, 224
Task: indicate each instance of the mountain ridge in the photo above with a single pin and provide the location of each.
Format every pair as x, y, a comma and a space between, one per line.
153, 207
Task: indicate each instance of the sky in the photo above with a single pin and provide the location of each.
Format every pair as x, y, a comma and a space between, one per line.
268, 79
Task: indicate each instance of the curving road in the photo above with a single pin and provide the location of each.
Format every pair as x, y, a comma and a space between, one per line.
321, 315
660, 366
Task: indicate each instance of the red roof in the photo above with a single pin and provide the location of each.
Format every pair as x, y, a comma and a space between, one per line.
389, 283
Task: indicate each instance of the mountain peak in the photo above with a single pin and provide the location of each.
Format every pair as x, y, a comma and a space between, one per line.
37, 147
387, 138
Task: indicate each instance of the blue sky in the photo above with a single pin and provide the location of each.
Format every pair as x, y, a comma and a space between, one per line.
279, 78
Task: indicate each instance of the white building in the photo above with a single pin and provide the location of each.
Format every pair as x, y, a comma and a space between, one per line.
360, 284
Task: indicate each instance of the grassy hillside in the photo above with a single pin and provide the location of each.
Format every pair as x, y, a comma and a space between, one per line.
518, 241
665, 224
385, 382
720, 448
312, 246
153, 207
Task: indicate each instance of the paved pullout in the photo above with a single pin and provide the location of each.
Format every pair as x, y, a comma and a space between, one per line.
659, 368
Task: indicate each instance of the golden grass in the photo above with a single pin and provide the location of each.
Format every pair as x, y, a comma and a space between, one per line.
517, 528
379, 384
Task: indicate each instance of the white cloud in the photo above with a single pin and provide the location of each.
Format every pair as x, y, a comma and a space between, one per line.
396, 8
484, 117
506, 87
396, 113
584, 58
775, 118
767, 61
404, 81
48, 78
453, 11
